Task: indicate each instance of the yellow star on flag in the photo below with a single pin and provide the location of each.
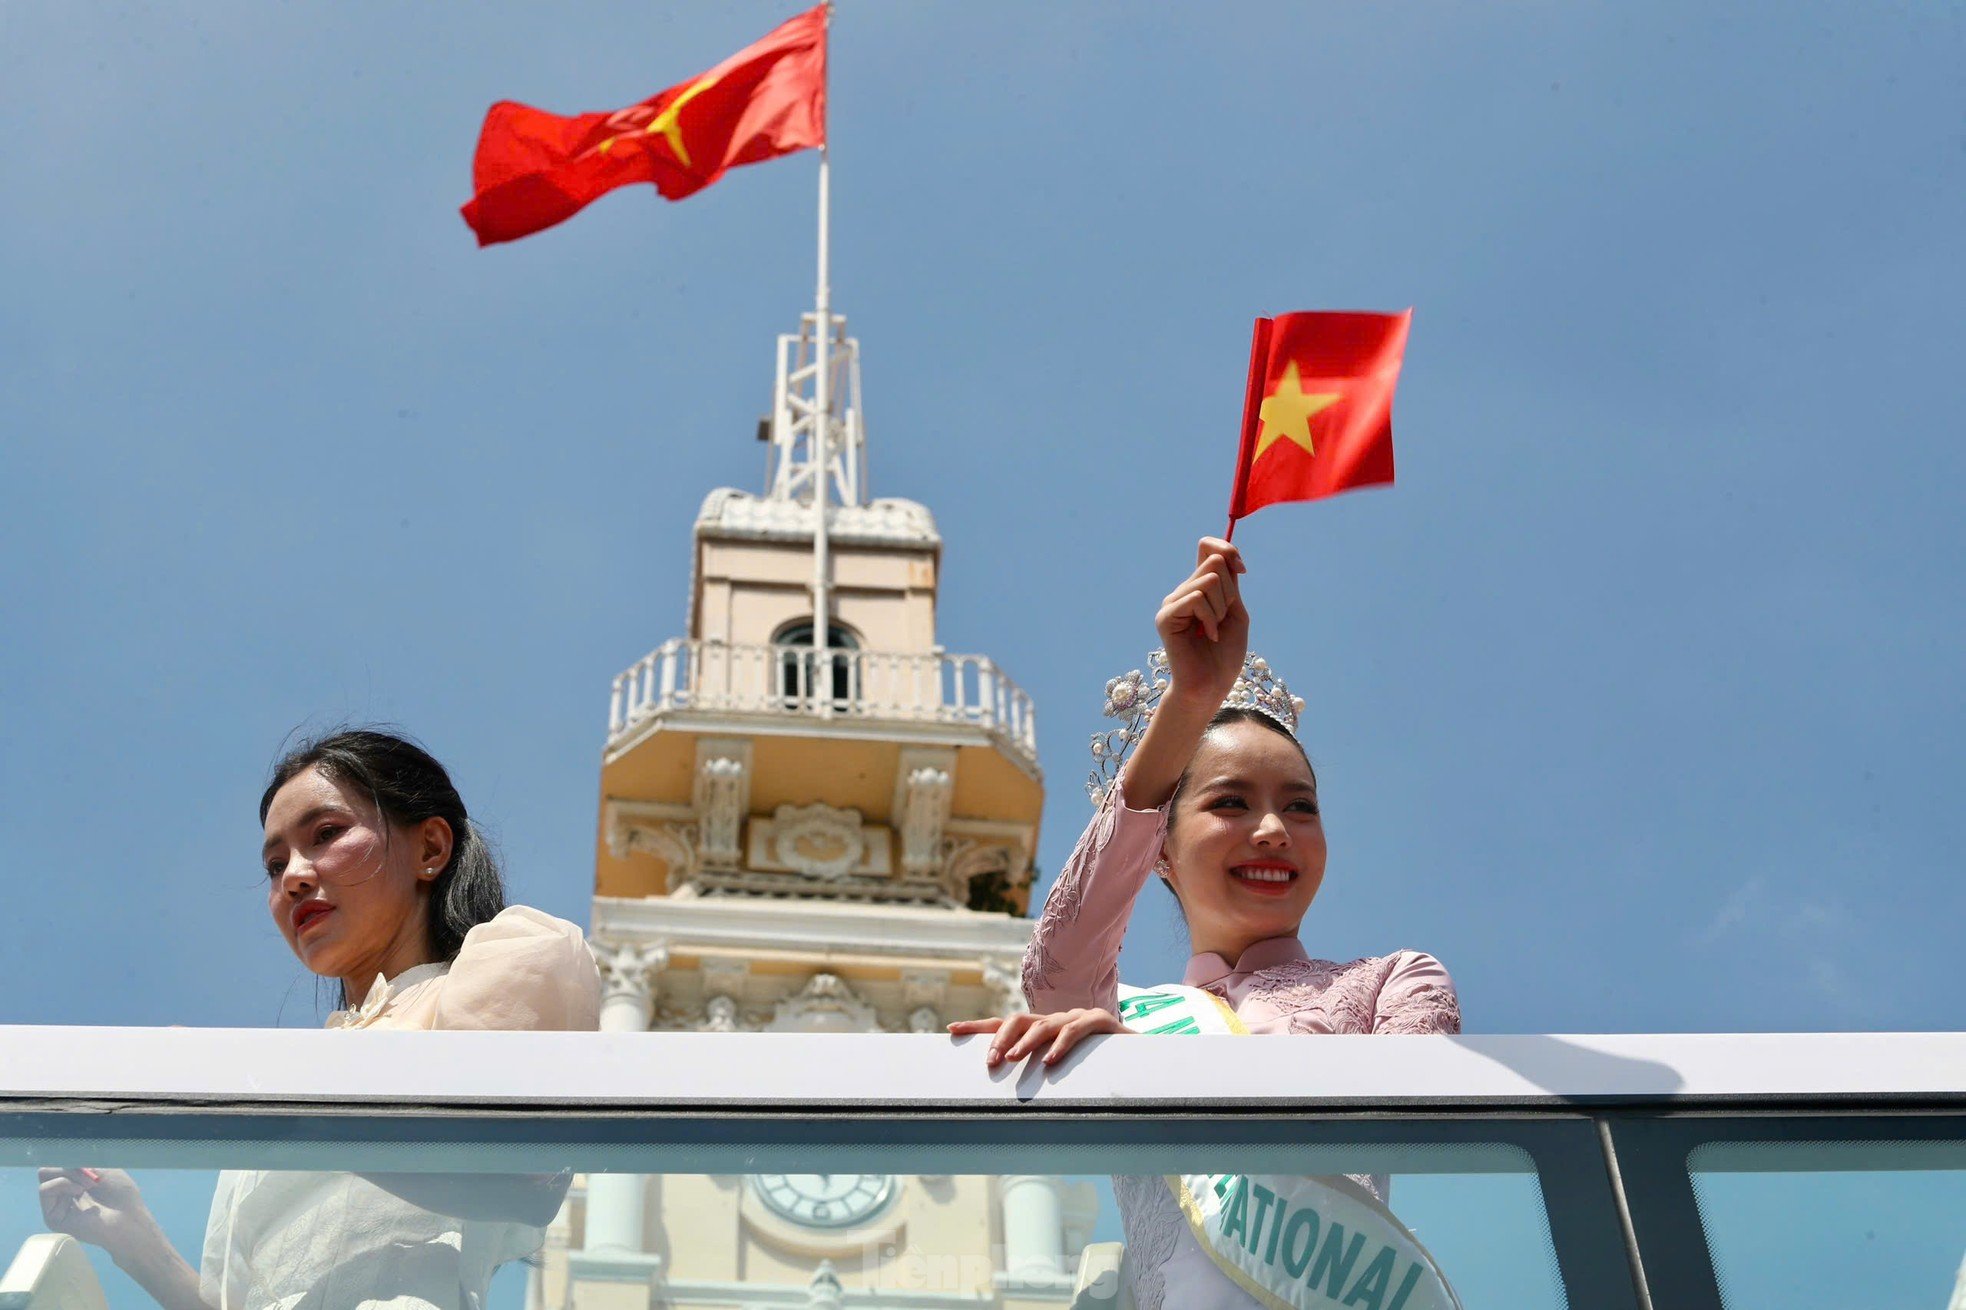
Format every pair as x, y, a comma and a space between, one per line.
1287, 412
666, 121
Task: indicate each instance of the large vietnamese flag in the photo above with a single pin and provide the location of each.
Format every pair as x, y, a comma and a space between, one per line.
1318, 415
534, 169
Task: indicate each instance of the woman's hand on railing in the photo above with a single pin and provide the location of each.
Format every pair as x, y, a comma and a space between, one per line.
1019, 1035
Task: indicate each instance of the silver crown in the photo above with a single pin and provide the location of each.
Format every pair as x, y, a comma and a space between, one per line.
1133, 696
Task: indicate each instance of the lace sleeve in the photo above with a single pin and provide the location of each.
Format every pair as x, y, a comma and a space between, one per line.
1417, 997
1073, 959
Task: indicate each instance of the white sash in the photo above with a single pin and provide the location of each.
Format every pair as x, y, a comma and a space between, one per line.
1175, 1009
1292, 1243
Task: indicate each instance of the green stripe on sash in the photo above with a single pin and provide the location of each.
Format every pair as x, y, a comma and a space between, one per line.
1292, 1243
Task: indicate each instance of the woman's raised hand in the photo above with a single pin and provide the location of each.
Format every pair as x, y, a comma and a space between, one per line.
1056, 1034
1204, 626
99, 1206
1205, 630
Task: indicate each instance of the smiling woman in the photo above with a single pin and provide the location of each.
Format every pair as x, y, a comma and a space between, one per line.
1219, 800
377, 878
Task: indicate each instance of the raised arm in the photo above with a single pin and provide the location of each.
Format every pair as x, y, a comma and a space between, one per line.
1071, 967
1072, 962
1204, 627
1073, 959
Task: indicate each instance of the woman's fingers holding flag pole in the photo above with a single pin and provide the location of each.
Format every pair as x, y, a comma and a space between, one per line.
1209, 596
1204, 626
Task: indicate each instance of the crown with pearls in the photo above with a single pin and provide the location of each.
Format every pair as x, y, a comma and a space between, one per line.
1133, 696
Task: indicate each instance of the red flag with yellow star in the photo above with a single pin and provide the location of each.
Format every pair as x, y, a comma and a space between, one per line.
1317, 418
534, 169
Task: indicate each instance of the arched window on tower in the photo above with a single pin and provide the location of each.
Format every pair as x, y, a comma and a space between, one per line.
800, 683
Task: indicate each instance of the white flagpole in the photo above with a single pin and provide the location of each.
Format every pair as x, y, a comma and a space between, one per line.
821, 444
821, 440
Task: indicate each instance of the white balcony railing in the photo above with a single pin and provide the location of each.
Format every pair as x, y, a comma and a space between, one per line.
693, 675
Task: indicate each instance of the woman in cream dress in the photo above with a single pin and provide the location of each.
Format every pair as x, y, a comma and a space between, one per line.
1218, 801
377, 878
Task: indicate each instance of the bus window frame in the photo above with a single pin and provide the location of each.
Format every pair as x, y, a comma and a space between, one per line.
1655, 1149
1578, 1199
1608, 1121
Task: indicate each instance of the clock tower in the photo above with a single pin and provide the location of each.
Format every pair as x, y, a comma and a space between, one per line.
813, 818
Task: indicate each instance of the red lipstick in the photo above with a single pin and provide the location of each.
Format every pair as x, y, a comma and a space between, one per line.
308, 912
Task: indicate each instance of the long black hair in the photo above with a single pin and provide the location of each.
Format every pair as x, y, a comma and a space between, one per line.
407, 786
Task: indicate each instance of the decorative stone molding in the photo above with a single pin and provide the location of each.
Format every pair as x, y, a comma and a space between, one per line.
925, 1019
825, 1005
788, 884
824, 1291
742, 516
965, 859
976, 848
723, 798
1003, 979
923, 787
652, 828
723, 976
628, 982
719, 1015
819, 841
815, 928
697, 1018
628, 969
928, 987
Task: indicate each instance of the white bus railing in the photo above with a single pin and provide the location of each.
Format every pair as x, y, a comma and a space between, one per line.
686, 674
1588, 1172
634, 1071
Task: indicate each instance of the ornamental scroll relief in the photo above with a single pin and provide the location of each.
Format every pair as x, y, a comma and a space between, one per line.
668, 832
984, 864
826, 1004
820, 842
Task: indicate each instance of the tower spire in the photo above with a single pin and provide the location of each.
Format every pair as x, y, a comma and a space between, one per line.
796, 456
818, 448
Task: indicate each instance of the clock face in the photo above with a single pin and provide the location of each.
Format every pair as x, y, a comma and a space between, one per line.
825, 1200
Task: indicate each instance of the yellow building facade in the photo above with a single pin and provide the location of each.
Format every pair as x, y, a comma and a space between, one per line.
814, 824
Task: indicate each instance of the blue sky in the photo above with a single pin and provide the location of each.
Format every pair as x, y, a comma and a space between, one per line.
1637, 700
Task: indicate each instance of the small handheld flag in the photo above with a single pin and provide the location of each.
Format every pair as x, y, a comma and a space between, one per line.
534, 169
1318, 412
